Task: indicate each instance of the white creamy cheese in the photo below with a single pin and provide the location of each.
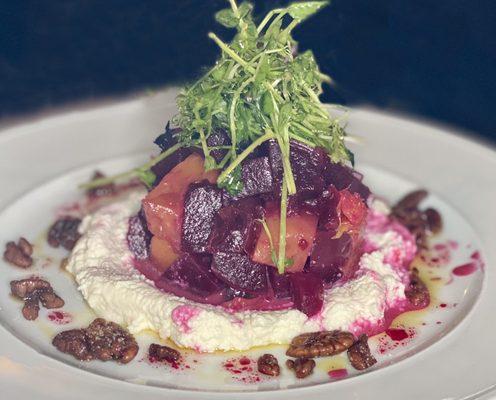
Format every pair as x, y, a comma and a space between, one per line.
102, 266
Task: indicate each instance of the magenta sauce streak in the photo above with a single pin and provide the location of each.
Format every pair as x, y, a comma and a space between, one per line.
59, 317
338, 373
180, 365
243, 369
470, 267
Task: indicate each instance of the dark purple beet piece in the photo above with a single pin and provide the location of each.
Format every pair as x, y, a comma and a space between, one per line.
280, 284
236, 228
329, 255
239, 272
343, 177
218, 138
202, 202
139, 237
328, 213
167, 139
308, 292
191, 277
307, 165
256, 176
163, 167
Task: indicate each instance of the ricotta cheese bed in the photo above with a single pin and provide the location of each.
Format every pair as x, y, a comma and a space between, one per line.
102, 266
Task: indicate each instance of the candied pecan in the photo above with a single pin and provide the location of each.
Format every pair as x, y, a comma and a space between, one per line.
268, 365
301, 366
25, 287
73, 342
359, 354
108, 341
64, 232
19, 254
320, 344
417, 292
163, 353
412, 199
49, 299
100, 340
419, 223
434, 220
32, 291
31, 309
100, 191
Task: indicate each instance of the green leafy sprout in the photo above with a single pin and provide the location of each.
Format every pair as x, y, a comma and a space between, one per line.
258, 90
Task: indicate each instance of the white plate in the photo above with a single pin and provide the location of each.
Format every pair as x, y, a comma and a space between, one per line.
452, 359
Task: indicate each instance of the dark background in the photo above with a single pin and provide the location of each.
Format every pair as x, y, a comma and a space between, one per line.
431, 58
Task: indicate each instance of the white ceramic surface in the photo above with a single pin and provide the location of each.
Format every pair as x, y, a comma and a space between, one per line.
397, 156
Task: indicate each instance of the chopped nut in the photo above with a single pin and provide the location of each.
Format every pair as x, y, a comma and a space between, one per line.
359, 354
419, 223
64, 232
434, 220
100, 340
73, 342
108, 341
412, 199
268, 365
50, 300
301, 366
32, 291
163, 353
19, 254
25, 287
25, 246
417, 292
31, 309
320, 344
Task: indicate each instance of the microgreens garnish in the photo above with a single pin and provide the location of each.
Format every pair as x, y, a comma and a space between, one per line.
258, 90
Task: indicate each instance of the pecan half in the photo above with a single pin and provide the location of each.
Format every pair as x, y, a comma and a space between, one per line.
100, 340
268, 365
420, 223
359, 354
320, 344
163, 353
73, 342
64, 232
19, 254
417, 292
301, 366
108, 341
33, 291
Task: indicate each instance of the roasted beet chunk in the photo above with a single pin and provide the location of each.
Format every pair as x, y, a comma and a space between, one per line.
256, 176
218, 138
307, 165
343, 177
163, 167
191, 277
280, 284
201, 204
308, 292
239, 272
139, 237
329, 255
236, 227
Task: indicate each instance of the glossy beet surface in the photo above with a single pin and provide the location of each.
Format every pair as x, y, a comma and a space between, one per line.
239, 272
139, 237
202, 202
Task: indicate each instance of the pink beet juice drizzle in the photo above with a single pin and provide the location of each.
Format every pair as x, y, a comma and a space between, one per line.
338, 373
